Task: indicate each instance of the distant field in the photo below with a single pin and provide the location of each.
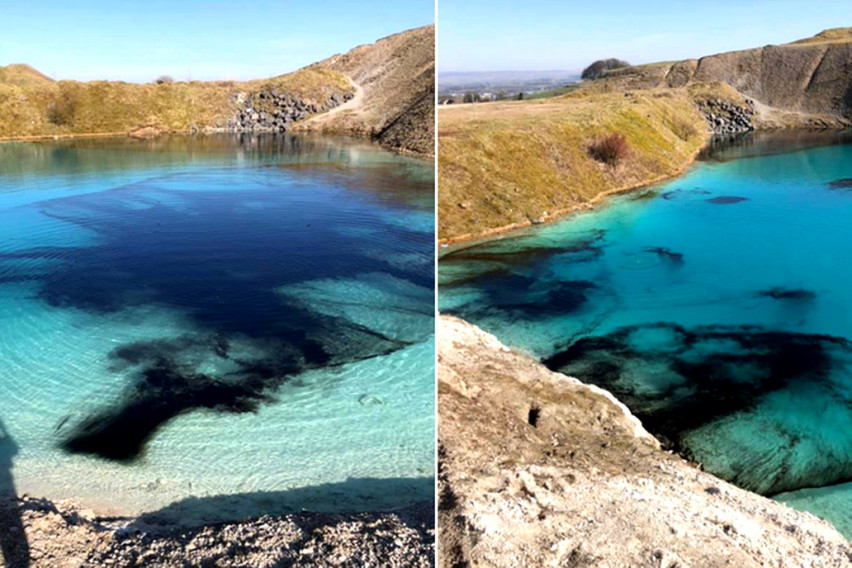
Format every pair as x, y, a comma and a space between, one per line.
553, 92
509, 82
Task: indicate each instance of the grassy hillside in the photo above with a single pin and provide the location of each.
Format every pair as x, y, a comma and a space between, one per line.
509, 163
834, 35
34, 105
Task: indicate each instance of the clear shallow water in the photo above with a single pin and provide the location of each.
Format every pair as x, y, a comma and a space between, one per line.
717, 306
193, 318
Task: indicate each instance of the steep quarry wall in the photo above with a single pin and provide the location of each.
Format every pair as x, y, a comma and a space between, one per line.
810, 78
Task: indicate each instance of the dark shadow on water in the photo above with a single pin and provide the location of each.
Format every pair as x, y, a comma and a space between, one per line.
13, 539
355, 495
724, 148
726, 200
677, 379
164, 388
219, 261
711, 371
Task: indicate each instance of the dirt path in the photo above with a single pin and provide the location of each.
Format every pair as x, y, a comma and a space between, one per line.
354, 103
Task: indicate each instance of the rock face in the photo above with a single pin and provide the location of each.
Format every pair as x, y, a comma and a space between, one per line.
397, 75
538, 469
725, 117
812, 76
62, 535
272, 111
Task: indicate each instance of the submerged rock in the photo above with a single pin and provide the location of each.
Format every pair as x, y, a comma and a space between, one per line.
726, 200
680, 193
780, 293
667, 254
759, 408
841, 184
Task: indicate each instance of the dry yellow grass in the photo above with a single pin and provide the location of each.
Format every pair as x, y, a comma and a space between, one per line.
34, 105
833, 35
505, 164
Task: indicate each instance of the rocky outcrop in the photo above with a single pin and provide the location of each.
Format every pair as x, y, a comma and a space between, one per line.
539, 469
397, 78
812, 76
725, 117
274, 111
804, 84
47, 534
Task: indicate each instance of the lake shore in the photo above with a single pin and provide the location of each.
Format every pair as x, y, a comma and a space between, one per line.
60, 533
599, 199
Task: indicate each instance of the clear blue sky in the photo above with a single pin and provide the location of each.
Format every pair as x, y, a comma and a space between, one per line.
506, 35
135, 40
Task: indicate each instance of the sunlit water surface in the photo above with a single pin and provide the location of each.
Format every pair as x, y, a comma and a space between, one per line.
192, 318
718, 307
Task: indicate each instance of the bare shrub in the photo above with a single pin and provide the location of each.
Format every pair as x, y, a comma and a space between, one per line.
60, 111
610, 149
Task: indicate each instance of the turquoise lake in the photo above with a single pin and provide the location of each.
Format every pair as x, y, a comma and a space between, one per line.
717, 306
217, 326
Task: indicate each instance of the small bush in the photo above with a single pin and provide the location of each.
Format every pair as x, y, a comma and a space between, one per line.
60, 111
601, 66
610, 149
164, 80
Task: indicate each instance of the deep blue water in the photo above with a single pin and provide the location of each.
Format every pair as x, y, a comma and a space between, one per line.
718, 307
196, 317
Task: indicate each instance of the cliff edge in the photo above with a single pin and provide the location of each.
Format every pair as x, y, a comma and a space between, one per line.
538, 469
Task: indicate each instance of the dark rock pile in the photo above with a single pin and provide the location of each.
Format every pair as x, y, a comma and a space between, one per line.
728, 118
273, 111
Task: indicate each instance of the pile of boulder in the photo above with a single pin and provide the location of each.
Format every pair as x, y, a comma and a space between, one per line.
725, 117
273, 111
